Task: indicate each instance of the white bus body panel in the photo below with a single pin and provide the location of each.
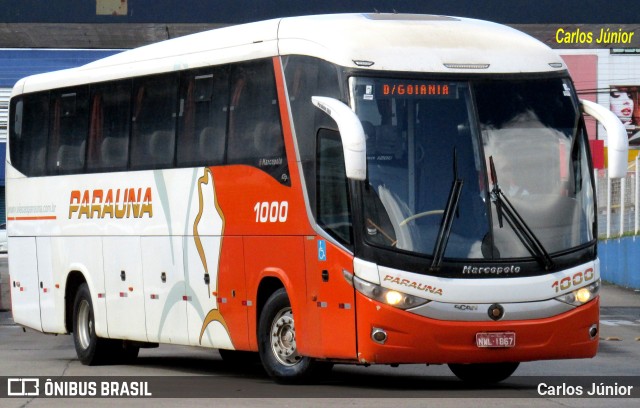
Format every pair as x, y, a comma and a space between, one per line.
51, 297
416, 43
124, 288
165, 305
25, 292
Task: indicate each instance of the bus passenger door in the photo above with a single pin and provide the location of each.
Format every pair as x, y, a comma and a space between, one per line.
332, 301
25, 292
332, 297
124, 288
164, 290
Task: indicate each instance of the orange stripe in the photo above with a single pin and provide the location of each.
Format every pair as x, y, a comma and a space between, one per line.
41, 217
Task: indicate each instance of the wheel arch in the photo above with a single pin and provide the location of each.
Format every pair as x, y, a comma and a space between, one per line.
267, 286
75, 279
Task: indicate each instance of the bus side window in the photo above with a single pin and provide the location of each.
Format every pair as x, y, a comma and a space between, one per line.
255, 132
108, 144
333, 210
307, 77
202, 117
68, 123
29, 130
154, 122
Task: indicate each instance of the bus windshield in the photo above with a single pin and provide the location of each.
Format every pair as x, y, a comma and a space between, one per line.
429, 148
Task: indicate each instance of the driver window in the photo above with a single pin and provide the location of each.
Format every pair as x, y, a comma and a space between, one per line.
333, 211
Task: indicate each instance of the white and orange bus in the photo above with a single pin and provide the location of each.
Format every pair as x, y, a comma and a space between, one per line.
406, 188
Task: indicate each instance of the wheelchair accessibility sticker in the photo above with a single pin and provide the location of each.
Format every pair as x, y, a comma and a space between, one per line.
322, 250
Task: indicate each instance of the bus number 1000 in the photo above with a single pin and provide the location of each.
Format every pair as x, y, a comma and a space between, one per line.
275, 211
573, 281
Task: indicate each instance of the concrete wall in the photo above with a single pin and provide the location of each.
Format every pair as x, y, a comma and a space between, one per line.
620, 261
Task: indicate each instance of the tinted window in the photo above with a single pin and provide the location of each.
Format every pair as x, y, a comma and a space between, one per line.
224, 115
307, 77
204, 98
68, 123
108, 144
333, 212
154, 122
255, 132
29, 130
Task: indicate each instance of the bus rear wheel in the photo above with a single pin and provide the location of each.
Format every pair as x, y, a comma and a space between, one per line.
277, 343
487, 373
90, 348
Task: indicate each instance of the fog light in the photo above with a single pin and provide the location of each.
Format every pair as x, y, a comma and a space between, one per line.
593, 331
378, 335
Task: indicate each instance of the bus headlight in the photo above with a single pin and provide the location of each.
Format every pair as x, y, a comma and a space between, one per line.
581, 296
387, 296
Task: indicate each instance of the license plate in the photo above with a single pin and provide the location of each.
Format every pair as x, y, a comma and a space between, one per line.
501, 339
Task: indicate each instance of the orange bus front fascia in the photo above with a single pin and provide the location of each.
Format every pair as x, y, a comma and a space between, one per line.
417, 339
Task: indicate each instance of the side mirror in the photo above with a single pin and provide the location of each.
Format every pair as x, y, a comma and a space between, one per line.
617, 141
354, 143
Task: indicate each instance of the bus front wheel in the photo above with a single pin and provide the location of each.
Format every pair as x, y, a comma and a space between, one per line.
277, 343
90, 348
489, 373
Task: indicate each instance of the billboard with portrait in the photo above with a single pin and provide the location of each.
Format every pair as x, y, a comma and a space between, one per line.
625, 103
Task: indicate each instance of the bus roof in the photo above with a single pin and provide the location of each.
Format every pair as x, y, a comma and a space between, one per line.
393, 42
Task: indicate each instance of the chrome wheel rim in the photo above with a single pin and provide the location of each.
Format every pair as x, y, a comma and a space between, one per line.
85, 324
283, 338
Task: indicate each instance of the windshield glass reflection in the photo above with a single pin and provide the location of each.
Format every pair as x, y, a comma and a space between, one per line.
530, 130
414, 130
417, 129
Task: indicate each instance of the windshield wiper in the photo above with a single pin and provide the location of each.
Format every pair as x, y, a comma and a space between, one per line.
506, 210
447, 218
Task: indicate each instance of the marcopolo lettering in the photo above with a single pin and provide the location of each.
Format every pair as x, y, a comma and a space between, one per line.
490, 270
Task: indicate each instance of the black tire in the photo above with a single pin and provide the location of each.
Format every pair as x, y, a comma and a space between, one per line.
276, 343
483, 374
91, 349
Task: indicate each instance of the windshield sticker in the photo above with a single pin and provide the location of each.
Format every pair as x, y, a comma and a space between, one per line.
368, 93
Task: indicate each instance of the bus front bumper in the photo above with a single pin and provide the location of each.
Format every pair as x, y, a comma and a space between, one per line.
387, 335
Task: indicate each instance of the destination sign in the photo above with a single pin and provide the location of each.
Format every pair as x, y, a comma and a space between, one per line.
416, 89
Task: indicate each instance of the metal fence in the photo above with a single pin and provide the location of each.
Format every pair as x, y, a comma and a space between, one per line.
618, 203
